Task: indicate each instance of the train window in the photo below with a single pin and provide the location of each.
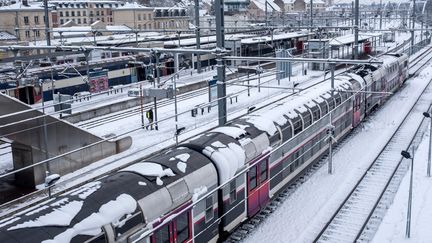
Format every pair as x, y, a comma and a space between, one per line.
338, 99
316, 114
331, 104
324, 108
182, 227
307, 119
209, 209
162, 235
252, 178
297, 126
263, 168
287, 132
233, 193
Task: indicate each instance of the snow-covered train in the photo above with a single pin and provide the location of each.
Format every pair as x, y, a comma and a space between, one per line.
251, 159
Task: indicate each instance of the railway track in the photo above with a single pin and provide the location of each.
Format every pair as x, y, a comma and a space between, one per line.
33, 198
349, 221
137, 110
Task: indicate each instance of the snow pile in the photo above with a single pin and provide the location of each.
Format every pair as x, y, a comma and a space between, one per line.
234, 132
182, 166
198, 192
59, 217
183, 157
142, 183
227, 159
150, 169
110, 212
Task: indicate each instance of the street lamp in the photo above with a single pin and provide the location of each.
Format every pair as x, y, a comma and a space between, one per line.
428, 115
407, 155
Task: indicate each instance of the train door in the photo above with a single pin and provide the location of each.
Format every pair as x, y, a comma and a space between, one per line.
258, 187
356, 110
178, 230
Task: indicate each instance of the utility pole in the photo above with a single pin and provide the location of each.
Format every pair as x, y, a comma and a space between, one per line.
46, 18
380, 15
220, 47
413, 27
311, 11
266, 12
330, 130
175, 108
356, 28
198, 35
154, 85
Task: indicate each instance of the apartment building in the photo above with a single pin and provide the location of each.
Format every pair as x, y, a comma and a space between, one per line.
24, 20
85, 12
137, 16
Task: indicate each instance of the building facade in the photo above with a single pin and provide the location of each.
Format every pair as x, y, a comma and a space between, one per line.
304, 6
137, 16
83, 12
24, 20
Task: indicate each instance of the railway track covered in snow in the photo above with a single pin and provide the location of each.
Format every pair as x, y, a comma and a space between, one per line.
353, 221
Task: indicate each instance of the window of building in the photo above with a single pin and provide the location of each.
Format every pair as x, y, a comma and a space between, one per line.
103, 19
102, 13
139, 16
209, 209
79, 21
67, 13
36, 19
85, 21
84, 13
144, 16
72, 13
97, 12
27, 33
37, 33
78, 13
91, 13
26, 20
61, 14
61, 21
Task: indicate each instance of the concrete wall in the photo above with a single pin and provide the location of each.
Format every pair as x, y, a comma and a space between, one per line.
29, 147
104, 110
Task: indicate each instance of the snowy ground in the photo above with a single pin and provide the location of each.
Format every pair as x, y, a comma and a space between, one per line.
305, 212
392, 228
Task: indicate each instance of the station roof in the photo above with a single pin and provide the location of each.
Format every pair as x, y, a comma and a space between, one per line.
268, 38
349, 39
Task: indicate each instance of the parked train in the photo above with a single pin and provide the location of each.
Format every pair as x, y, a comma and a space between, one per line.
251, 159
121, 70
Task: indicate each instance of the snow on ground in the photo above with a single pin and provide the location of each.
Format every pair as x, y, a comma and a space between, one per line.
301, 216
392, 228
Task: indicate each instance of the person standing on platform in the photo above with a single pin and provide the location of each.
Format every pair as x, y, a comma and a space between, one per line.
149, 115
